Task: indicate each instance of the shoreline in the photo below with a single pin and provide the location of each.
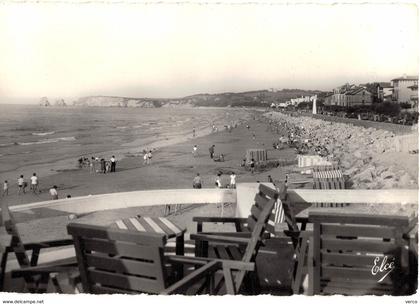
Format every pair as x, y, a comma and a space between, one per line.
77, 181
68, 163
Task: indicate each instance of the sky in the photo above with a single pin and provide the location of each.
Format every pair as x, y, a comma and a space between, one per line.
167, 50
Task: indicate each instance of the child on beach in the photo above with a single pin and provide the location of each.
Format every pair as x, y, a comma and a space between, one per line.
54, 193
113, 163
252, 165
218, 181
211, 151
34, 183
232, 180
21, 184
5, 188
197, 183
149, 157
195, 151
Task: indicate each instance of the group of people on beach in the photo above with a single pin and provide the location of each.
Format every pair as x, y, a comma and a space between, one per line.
198, 183
98, 165
22, 185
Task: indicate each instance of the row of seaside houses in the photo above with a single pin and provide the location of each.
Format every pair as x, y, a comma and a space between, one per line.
400, 90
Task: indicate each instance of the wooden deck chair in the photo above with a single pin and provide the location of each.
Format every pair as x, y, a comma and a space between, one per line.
116, 261
243, 226
35, 276
358, 254
285, 215
242, 245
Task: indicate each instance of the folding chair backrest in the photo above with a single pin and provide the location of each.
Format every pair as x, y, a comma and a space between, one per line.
115, 261
15, 245
264, 195
258, 221
359, 254
283, 211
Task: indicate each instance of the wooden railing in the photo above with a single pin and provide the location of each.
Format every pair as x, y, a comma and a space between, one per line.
244, 195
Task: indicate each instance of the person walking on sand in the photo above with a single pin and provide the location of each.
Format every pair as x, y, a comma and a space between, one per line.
54, 193
218, 181
34, 183
5, 188
103, 166
197, 183
92, 165
218, 184
270, 179
145, 156
113, 163
21, 184
211, 151
195, 151
149, 157
252, 165
232, 184
193, 132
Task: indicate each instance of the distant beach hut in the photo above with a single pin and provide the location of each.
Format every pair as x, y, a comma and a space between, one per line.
259, 155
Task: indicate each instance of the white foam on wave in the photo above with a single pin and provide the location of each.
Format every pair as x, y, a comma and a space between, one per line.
47, 141
43, 133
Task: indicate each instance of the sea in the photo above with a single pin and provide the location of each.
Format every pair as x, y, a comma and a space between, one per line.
33, 136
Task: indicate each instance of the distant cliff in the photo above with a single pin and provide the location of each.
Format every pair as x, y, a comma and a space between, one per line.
254, 98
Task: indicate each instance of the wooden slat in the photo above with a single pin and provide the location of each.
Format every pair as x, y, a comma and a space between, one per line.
354, 274
354, 231
122, 265
122, 249
91, 231
221, 252
170, 225
271, 193
260, 201
255, 212
271, 229
347, 196
137, 225
251, 222
235, 253
358, 245
356, 291
348, 259
356, 287
97, 289
358, 218
116, 280
192, 278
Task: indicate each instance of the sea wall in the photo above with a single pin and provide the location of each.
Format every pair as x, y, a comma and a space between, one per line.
368, 156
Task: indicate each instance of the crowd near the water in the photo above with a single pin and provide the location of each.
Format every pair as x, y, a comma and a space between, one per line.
101, 165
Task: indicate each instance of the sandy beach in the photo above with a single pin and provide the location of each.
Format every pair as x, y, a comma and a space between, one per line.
173, 166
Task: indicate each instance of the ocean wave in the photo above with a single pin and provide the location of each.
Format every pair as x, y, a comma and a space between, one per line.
47, 141
8, 144
43, 133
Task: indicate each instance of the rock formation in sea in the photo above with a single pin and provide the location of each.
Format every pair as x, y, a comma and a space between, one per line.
44, 102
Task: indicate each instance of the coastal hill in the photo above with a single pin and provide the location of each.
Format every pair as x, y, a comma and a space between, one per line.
251, 98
